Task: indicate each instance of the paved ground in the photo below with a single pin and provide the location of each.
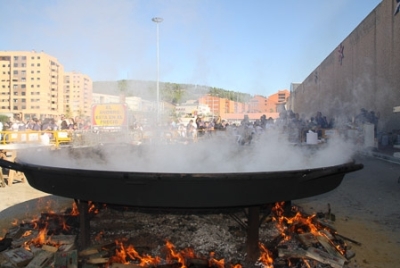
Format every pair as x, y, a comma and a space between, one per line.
20, 201
366, 206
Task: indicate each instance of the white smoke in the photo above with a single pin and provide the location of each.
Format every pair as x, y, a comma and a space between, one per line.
221, 154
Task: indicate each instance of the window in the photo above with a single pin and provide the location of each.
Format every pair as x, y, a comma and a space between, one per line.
15, 64
23, 64
23, 86
15, 57
38, 64
23, 57
15, 72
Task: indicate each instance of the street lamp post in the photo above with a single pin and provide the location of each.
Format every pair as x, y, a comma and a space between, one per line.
158, 20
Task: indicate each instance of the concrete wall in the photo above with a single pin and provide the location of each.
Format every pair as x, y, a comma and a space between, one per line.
366, 75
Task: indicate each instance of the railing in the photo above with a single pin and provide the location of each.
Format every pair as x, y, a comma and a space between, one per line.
55, 138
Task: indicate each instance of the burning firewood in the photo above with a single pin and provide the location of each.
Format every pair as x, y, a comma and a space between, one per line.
324, 257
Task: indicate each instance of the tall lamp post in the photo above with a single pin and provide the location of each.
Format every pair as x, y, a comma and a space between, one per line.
158, 20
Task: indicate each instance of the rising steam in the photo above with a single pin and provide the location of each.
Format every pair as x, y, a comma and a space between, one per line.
269, 152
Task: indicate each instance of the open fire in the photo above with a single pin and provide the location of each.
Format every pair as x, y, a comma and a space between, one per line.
127, 237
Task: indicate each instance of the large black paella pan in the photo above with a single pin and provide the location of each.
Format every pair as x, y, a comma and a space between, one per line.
176, 189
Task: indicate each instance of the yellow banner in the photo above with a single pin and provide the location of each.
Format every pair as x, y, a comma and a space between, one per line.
109, 115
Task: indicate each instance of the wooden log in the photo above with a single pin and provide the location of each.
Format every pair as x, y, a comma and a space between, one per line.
292, 253
87, 252
66, 259
307, 239
323, 257
20, 241
42, 259
50, 248
329, 247
97, 260
120, 265
18, 256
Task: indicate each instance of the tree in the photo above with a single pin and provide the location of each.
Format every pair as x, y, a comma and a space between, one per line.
123, 86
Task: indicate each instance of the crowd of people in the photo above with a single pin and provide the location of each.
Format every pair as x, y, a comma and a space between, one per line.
47, 124
244, 132
292, 124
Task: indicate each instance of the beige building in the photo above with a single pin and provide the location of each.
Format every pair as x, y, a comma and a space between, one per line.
34, 84
77, 94
30, 84
361, 72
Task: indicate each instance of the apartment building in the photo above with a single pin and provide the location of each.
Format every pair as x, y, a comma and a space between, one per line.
270, 104
77, 94
30, 84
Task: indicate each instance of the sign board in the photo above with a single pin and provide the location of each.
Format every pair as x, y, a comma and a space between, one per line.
396, 109
109, 115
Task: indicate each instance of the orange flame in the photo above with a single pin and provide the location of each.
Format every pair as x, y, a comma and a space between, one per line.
266, 257
214, 262
92, 208
74, 211
27, 233
175, 255
122, 254
14, 222
41, 237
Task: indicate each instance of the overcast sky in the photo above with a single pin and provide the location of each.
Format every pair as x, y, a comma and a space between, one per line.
252, 46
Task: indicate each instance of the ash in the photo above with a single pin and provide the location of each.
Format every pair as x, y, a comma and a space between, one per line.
203, 231
222, 232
